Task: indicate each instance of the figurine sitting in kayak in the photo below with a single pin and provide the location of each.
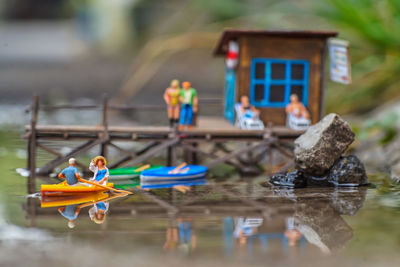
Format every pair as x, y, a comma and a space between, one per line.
98, 167
70, 174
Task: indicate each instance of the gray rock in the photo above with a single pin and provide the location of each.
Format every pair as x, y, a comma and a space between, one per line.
348, 171
322, 144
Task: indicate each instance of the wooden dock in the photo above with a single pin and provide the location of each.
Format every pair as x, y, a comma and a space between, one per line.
251, 148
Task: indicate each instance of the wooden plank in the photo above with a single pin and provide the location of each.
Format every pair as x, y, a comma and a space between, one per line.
154, 151
103, 146
236, 153
134, 154
59, 155
80, 149
31, 186
210, 155
155, 199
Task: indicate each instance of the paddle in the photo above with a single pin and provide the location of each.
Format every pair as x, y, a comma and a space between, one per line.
144, 167
102, 200
177, 168
183, 170
105, 187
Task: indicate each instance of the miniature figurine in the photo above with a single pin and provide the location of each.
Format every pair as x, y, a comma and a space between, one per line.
98, 212
189, 106
247, 109
171, 98
181, 237
98, 167
247, 115
70, 173
70, 212
298, 117
291, 233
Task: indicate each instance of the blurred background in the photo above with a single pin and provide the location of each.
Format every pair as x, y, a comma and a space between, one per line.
75, 50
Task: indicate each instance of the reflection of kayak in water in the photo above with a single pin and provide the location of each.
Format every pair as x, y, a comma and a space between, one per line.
63, 189
48, 202
127, 184
169, 184
129, 172
189, 172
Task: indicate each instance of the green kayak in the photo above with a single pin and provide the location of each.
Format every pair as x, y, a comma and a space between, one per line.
129, 172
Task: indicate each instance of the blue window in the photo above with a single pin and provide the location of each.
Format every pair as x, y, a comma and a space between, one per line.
272, 81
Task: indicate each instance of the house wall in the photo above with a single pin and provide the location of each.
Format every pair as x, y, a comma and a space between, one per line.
310, 49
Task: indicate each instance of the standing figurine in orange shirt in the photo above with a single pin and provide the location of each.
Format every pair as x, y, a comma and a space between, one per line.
171, 98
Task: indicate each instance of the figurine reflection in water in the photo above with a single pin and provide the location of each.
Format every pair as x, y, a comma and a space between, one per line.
71, 213
181, 237
291, 233
246, 227
98, 212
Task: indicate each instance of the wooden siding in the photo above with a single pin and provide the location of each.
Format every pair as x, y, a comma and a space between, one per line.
310, 49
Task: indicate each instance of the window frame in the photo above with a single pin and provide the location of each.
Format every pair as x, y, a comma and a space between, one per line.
287, 82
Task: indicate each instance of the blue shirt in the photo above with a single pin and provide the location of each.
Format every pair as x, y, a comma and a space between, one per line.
100, 174
70, 175
101, 206
69, 212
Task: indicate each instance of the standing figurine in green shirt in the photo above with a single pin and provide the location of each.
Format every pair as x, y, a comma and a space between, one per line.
189, 105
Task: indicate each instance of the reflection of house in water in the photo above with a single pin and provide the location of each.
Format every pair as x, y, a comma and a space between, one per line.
214, 210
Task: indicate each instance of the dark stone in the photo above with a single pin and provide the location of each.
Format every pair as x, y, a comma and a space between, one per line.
322, 144
314, 180
294, 179
348, 171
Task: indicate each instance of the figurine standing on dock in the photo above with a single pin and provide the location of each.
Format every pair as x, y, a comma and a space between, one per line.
297, 116
98, 167
70, 173
189, 103
171, 98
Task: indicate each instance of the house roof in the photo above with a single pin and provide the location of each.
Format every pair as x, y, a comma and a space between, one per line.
229, 34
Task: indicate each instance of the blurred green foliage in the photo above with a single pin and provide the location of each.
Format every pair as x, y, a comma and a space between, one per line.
385, 128
373, 28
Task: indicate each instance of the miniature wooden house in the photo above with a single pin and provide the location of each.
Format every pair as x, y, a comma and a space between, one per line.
269, 66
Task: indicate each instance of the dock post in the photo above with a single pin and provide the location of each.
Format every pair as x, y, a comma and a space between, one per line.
103, 150
31, 186
190, 156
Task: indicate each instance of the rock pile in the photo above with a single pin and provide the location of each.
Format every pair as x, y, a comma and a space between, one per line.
319, 157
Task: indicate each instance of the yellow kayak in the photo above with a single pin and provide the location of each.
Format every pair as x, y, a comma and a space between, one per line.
49, 202
63, 189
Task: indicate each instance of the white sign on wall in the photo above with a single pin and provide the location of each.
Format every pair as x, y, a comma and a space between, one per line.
340, 67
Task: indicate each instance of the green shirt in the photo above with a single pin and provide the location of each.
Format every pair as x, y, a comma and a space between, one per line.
188, 96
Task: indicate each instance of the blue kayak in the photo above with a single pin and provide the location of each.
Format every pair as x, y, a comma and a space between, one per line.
169, 184
163, 174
